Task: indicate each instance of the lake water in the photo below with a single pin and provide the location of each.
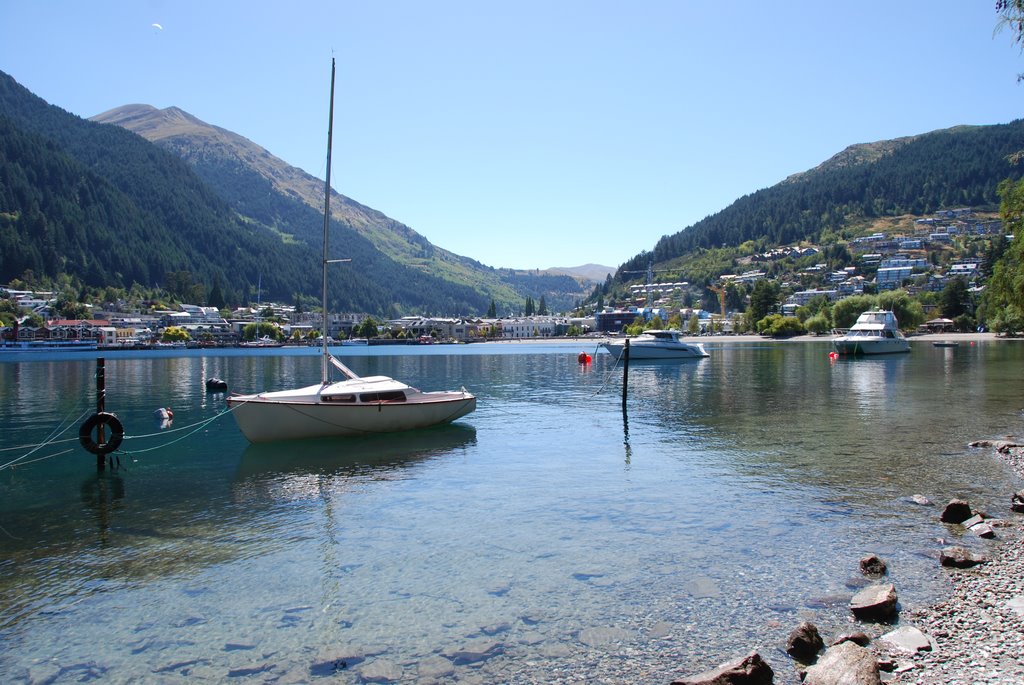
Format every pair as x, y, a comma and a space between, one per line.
545, 538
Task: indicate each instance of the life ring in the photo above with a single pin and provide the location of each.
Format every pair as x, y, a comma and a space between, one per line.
107, 421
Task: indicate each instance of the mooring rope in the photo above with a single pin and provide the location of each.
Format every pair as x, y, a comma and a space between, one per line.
197, 426
50, 440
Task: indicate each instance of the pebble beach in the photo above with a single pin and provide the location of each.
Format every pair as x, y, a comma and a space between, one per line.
977, 633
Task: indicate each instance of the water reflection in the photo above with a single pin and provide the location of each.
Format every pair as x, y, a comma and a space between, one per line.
372, 456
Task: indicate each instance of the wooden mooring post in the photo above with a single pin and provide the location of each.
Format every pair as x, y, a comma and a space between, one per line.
101, 405
625, 373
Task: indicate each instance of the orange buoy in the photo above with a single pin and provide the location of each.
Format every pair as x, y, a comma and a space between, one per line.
583, 358
833, 355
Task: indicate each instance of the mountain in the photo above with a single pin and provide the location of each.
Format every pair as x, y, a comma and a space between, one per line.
106, 206
589, 273
916, 175
269, 192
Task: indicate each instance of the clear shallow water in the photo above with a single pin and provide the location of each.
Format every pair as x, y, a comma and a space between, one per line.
544, 538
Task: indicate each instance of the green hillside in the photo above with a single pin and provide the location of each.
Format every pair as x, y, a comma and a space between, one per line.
844, 197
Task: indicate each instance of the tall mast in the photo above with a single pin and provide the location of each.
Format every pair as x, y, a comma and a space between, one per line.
327, 224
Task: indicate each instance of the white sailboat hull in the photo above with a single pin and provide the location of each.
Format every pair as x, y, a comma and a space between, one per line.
309, 413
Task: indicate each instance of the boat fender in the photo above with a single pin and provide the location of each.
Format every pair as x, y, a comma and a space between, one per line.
107, 421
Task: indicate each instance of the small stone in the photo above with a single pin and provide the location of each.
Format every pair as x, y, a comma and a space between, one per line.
973, 521
907, 639
380, 671
804, 643
435, 667
872, 565
859, 637
748, 670
875, 603
1017, 501
959, 557
983, 530
921, 500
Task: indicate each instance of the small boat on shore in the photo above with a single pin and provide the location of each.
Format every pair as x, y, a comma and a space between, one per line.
876, 332
655, 344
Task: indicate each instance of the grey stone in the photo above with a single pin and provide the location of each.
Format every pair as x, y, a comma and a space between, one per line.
599, 637
907, 639
435, 667
959, 557
973, 521
380, 671
983, 530
921, 500
875, 603
476, 651
748, 670
845, 664
1017, 501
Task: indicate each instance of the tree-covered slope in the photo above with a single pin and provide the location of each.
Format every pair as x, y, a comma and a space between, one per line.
109, 207
917, 175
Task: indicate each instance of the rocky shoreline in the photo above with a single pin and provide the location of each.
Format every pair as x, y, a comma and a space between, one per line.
973, 637
977, 633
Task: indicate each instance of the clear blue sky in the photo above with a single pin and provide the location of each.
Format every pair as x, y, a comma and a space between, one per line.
534, 133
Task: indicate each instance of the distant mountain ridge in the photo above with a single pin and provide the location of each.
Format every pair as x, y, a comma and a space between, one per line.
242, 172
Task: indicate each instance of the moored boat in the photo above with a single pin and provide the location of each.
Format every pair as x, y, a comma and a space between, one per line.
655, 344
355, 406
875, 332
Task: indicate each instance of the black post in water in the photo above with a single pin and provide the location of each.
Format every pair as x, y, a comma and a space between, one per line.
625, 373
101, 396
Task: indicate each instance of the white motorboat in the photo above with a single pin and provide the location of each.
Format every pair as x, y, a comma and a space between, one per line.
655, 344
355, 406
876, 332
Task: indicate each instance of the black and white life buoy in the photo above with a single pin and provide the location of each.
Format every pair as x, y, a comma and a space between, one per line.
112, 427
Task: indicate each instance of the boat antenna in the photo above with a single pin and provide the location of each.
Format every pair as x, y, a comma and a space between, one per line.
326, 358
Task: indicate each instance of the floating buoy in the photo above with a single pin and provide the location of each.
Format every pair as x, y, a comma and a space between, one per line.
584, 358
216, 385
833, 355
163, 414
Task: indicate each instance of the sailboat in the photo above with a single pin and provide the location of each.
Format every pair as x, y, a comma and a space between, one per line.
354, 406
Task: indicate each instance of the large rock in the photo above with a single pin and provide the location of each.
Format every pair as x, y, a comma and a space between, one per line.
1017, 501
875, 603
845, 664
957, 511
748, 670
804, 643
959, 557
